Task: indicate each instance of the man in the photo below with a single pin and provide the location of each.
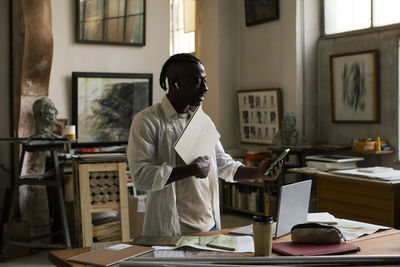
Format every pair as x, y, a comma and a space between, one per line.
181, 198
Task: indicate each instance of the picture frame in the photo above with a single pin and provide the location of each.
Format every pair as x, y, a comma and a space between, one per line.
120, 22
260, 11
103, 105
260, 113
355, 87
59, 127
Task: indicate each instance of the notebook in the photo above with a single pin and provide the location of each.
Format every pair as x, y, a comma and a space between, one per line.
292, 209
301, 249
110, 255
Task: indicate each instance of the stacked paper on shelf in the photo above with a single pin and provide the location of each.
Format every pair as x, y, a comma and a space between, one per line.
334, 158
328, 166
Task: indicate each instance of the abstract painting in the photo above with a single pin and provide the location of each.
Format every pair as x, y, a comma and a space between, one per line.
105, 103
354, 80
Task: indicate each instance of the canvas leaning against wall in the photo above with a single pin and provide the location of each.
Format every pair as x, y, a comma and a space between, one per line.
259, 115
105, 103
355, 92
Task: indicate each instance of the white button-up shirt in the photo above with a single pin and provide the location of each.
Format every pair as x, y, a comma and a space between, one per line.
151, 158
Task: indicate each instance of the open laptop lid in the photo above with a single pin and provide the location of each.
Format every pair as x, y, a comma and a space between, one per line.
293, 206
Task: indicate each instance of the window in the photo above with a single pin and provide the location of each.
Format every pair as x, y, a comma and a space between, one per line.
182, 26
350, 15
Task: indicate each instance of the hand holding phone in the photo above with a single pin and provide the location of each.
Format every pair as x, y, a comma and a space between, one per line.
276, 161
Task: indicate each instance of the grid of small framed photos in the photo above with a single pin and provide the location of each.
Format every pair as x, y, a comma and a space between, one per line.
259, 115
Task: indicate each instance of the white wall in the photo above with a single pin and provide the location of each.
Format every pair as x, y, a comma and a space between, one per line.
70, 56
268, 58
280, 53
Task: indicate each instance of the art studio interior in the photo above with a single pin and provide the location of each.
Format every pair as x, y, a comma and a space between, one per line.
313, 81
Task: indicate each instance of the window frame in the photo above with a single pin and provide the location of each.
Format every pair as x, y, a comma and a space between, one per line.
371, 29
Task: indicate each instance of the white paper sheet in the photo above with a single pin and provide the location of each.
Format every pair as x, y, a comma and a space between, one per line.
198, 138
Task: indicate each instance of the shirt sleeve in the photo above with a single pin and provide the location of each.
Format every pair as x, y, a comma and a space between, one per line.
226, 165
146, 173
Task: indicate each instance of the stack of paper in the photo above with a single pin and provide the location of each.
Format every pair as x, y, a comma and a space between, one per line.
390, 175
328, 166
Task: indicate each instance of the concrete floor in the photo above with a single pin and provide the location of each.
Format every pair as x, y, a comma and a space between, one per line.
40, 259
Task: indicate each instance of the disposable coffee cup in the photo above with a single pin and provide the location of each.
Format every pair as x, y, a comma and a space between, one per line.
262, 235
69, 132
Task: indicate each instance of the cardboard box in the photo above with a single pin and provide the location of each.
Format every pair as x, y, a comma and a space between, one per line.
136, 215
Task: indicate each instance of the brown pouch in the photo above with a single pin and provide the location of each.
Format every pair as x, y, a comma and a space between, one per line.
316, 233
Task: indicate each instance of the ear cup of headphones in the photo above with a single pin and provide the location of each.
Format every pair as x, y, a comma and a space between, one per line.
176, 85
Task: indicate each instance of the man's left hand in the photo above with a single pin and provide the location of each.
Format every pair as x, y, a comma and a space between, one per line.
273, 174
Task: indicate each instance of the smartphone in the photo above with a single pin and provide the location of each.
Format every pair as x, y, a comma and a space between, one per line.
276, 161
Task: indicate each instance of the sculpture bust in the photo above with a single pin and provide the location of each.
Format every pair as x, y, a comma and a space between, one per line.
288, 135
45, 114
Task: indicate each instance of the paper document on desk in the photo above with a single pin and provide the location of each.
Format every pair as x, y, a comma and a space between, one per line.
321, 217
235, 243
353, 229
390, 175
198, 138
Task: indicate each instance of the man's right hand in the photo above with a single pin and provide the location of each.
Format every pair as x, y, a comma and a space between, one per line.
202, 166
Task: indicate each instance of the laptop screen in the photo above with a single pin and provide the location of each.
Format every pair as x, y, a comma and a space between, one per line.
293, 206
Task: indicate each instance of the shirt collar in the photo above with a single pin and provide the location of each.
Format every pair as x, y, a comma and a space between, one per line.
170, 111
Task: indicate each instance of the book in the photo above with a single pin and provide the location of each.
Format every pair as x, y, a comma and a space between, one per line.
303, 249
334, 158
198, 138
110, 255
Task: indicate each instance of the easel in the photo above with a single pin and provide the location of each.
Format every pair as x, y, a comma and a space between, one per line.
51, 178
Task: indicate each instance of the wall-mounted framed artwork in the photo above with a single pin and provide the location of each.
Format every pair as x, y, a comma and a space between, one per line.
260, 114
103, 105
111, 21
260, 11
355, 87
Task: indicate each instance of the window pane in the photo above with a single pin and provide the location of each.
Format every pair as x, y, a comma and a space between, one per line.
386, 12
114, 8
134, 29
346, 15
114, 30
135, 7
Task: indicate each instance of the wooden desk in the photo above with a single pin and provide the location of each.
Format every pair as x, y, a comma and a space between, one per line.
380, 243
359, 199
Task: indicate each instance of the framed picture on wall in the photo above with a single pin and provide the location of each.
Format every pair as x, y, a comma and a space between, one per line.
354, 82
111, 21
260, 11
103, 105
259, 115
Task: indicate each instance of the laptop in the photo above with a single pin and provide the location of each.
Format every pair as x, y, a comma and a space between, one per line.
293, 206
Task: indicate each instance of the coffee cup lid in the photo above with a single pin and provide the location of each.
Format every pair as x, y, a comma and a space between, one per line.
263, 219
